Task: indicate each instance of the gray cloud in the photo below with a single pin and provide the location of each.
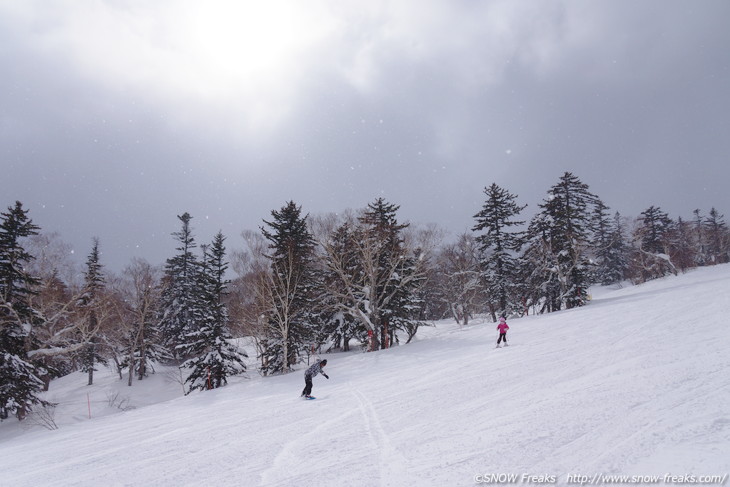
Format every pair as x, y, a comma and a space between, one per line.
116, 117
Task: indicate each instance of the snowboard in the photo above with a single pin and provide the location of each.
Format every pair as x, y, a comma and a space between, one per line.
308, 398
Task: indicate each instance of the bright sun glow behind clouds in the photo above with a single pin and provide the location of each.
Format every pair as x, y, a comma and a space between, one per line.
242, 68
241, 58
240, 45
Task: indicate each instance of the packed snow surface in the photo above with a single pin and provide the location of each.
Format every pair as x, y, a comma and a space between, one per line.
637, 383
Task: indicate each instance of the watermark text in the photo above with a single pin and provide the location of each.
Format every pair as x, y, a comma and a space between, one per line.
599, 479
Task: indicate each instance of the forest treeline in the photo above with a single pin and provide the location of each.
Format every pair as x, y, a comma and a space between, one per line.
309, 285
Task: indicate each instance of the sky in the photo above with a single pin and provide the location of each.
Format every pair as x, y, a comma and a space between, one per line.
116, 116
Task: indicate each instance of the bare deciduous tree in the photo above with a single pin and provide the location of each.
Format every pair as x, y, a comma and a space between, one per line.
463, 290
141, 292
247, 300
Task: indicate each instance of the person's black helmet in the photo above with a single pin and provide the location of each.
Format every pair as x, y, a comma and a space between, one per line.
323, 362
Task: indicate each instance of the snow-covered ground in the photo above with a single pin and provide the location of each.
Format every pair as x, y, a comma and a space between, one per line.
636, 384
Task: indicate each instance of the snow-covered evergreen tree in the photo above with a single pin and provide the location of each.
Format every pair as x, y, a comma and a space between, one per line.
395, 269
405, 309
718, 239
499, 242
87, 303
701, 257
654, 230
616, 254
652, 246
213, 358
610, 247
19, 378
289, 289
339, 324
556, 256
377, 280
539, 281
181, 310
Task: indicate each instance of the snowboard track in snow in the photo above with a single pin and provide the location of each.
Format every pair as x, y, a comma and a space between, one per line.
292, 452
392, 463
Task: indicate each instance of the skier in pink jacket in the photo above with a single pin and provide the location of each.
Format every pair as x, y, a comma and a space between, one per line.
502, 327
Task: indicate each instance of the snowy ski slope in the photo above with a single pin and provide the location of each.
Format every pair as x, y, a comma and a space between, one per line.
637, 383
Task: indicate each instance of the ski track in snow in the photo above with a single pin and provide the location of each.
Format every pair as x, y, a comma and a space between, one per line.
637, 382
393, 471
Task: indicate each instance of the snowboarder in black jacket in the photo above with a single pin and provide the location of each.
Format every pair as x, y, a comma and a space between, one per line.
312, 371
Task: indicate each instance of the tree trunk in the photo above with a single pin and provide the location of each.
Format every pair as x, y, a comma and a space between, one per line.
455, 313
374, 342
285, 353
493, 312
131, 366
90, 362
142, 367
119, 367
